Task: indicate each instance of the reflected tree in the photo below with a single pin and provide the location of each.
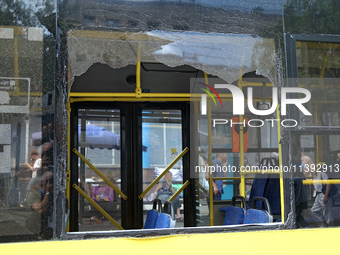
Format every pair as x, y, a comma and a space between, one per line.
312, 17
15, 13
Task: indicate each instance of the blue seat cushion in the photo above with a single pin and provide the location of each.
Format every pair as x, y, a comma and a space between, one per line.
255, 216
273, 195
151, 219
163, 221
233, 215
258, 189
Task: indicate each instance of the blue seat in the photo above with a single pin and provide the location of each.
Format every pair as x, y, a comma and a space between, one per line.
153, 214
260, 182
166, 219
234, 215
254, 216
258, 189
273, 195
163, 221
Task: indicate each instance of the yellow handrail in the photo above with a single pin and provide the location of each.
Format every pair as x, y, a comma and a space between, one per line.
67, 191
97, 206
179, 191
280, 164
211, 197
309, 182
144, 95
201, 187
240, 84
232, 178
99, 173
138, 89
261, 171
163, 173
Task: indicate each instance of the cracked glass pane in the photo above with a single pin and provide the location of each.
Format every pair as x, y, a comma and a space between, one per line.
27, 53
224, 39
227, 56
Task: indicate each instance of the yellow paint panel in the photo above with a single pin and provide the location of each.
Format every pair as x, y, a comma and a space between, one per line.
305, 241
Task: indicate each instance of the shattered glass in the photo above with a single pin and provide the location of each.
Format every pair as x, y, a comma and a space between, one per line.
224, 39
227, 56
27, 85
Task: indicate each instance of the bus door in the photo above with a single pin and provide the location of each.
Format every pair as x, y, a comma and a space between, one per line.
116, 151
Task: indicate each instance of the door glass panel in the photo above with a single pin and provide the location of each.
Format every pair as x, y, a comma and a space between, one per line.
162, 142
99, 142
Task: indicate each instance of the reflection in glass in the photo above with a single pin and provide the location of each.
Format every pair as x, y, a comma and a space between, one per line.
318, 70
316, 161
27, 138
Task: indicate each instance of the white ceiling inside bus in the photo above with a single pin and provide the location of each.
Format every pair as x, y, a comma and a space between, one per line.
227, 56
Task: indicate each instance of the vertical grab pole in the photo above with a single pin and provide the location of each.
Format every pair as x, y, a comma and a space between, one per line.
16, 60
243, 184
67, 192
138, 90
318, 114
211, 198
317, 136
198, 155
210, 164
280, 164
